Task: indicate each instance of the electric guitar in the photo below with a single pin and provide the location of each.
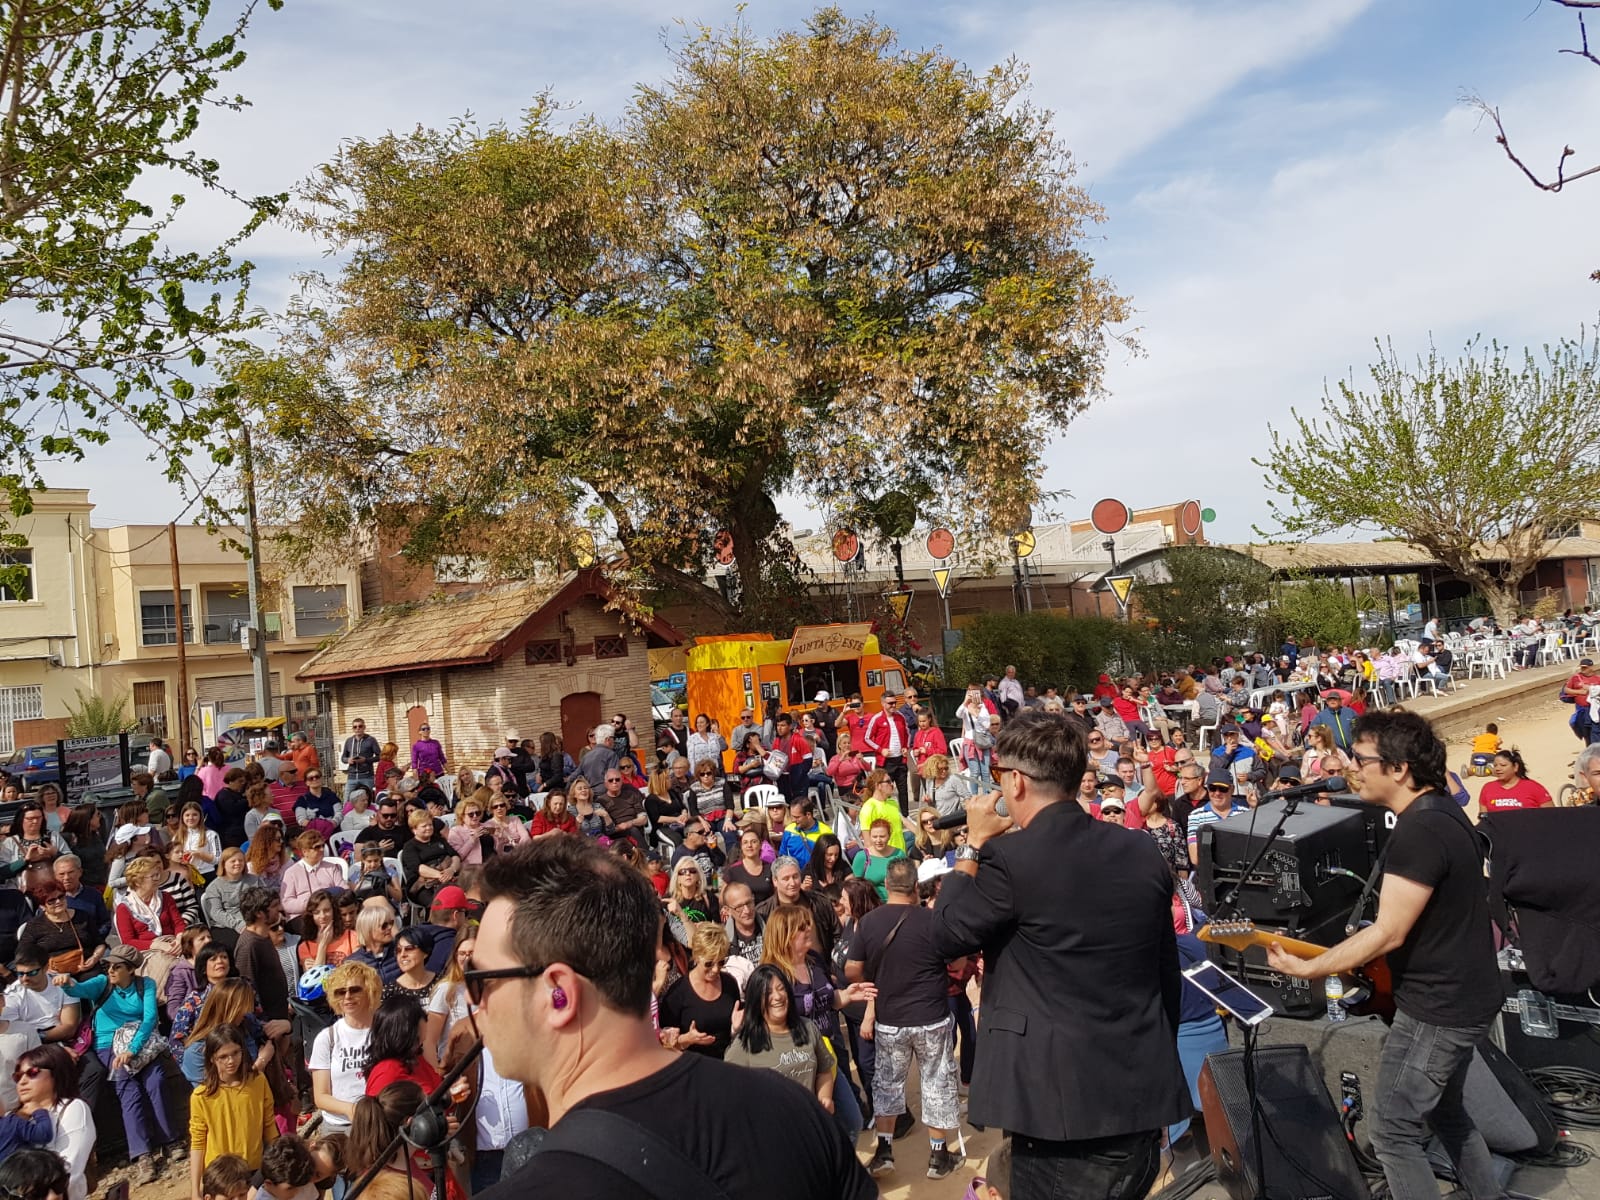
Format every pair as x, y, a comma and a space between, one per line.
1368, 990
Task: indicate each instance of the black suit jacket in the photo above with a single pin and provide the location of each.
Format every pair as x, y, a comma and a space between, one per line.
1081, 989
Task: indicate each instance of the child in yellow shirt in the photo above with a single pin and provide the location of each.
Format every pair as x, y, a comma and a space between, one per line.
1487, 742
231, 1112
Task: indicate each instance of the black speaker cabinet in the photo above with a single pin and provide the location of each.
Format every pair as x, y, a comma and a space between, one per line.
1305, 1153
1313, 871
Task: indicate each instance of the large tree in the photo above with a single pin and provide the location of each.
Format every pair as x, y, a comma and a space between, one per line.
102, 321
1479, 461
817, 265
1200, 602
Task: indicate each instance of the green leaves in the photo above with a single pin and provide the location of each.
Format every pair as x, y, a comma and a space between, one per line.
1479, 461
99, 96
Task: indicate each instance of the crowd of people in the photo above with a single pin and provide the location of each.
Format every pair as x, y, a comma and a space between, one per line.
302, 957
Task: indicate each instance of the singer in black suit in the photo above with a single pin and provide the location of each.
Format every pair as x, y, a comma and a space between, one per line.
1077, 1047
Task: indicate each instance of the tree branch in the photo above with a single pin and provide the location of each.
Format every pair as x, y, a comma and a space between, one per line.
1549, 185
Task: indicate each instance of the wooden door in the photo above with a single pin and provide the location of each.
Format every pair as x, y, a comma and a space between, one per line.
580, 712
416, 718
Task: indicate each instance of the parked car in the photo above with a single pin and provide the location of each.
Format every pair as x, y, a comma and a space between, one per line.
35, 766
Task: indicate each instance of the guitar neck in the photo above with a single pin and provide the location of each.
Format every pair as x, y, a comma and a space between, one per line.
1246, 939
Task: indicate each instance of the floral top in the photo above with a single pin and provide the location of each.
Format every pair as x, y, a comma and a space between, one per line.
189, 1011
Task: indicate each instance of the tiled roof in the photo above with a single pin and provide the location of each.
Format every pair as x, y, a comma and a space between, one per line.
1373, 556
466, 628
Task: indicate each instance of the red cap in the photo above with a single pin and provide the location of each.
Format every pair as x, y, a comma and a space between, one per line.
450, 897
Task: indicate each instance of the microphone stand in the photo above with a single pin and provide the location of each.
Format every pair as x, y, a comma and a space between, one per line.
427, 1129
1251, 1083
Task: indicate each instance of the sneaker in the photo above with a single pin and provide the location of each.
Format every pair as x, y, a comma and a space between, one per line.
177, 1152
903, 1124
882, 1161
147, 1170
942, 1162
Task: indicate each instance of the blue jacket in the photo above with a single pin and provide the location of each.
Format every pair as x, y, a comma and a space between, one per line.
1339, 724
19, 1131
115, 1007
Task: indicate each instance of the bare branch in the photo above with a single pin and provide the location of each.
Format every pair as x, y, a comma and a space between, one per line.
1549, 185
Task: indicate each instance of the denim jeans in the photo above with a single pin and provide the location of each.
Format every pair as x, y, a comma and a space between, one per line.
1420, 1077
1109, 1168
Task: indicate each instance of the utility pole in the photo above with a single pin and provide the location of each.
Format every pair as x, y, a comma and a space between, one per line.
257, 632
183, 660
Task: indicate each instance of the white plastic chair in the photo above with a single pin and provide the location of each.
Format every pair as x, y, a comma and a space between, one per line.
1203, 730
761, 795
341, 842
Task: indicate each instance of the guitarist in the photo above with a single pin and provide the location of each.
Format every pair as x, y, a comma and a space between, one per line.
1433, 924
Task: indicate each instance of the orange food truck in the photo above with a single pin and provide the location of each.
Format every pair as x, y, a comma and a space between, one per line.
749, 670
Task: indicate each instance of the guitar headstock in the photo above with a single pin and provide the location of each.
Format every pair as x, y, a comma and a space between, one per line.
1238, 934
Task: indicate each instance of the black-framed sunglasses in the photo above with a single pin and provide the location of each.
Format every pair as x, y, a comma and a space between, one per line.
1362, 760
474, 979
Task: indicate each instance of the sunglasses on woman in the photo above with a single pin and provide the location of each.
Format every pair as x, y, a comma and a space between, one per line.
29, 1072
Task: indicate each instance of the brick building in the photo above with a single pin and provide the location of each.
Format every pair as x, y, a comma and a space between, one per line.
536, 656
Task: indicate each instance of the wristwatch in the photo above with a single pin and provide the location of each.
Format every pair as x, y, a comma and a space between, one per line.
966, 854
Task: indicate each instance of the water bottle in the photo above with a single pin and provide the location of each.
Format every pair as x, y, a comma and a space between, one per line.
1334, 990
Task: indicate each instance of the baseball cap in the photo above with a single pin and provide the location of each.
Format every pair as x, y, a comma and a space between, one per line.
821, 698
128, 956
1220, 779
513, 736
450, 897
1111, 781
1586, 662
502, 752
1105, 701
931, 868
1112, 804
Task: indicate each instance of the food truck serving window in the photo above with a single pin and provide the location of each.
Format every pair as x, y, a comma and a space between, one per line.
836, 678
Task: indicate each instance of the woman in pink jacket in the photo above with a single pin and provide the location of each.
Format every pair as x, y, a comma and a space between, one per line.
309, 873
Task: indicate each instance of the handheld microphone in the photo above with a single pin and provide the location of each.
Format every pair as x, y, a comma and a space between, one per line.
958, 818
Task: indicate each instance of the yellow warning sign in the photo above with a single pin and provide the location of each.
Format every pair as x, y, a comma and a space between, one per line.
899, 604
941, 578
1121, 586
1024, 543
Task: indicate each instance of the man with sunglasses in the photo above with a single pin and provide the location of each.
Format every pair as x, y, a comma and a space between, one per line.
560, 981
34, 1001
1221, 803
1082, 993
387, 831
1433, 923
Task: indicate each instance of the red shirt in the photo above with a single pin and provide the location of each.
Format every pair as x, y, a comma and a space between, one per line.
877, 733
1162, 769
928, 742
1580, 684
543, 824
1525, 793
1127, 709
392, 1070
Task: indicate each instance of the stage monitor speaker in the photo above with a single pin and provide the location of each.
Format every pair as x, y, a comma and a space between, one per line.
1305, 1155
1314, 869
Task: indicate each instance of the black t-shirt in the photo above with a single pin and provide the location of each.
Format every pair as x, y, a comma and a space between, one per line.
682, 1005
760, 885
399, 833
423, 854
1445, 973
723, 1118
913, 988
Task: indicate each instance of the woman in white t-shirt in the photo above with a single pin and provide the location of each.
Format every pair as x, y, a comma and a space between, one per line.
447, 1005
47, 1078
339, 1055
360, 813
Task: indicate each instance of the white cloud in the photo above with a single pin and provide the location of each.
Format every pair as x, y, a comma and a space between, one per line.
1120, 76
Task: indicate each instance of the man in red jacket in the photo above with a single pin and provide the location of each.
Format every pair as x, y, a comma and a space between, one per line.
888, 737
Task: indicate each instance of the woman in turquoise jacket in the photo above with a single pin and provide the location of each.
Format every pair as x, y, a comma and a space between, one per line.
121, 998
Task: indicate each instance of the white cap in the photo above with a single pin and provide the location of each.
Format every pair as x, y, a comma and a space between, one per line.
821, 698
931, 868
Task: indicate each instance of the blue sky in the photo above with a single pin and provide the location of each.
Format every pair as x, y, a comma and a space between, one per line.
1284, 182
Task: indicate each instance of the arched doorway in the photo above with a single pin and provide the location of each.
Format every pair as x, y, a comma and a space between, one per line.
580, 712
